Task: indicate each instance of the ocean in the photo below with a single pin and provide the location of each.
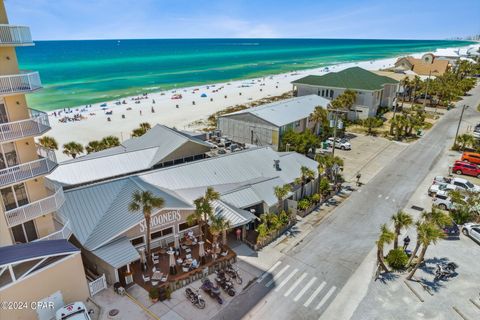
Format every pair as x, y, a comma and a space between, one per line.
76, 73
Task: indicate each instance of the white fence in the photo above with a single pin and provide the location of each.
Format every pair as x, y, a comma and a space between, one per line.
37, 124
15, 35
97, 285
18, 83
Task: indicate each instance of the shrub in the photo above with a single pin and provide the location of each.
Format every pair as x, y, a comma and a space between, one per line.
461, 215
283, 217
397, 259
315, 198
154, 294
303, 204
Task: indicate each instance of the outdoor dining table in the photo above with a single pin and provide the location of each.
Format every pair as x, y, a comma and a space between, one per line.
157, 275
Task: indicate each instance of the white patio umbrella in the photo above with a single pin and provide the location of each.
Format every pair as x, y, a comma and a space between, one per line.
171, 261
201, 249
176, 244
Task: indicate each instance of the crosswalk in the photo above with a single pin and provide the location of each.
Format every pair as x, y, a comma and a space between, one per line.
300, 286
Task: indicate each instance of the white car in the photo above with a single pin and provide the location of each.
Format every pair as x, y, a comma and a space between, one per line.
445, 187
459, 183
73, 311
472, 230
442, 200
342, 144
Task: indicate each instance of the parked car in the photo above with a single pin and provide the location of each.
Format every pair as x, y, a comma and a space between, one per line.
459, 183
342, 144
73, 311
452, 231
466, 168
471, 156
442, 200
436, 187
472, 230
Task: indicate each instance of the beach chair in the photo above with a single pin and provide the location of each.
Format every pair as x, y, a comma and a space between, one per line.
145, 278
188, 256
154, 283
164, 278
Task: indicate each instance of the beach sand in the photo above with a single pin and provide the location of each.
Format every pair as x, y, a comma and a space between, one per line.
166, 112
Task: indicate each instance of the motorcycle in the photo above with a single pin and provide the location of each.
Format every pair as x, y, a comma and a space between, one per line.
225, 283
212, 290
445, 271
233, 273
195, 298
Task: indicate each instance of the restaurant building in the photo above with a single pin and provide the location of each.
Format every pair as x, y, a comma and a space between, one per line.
112, 238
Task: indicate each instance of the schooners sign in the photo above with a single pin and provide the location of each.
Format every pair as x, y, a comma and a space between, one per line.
160, 219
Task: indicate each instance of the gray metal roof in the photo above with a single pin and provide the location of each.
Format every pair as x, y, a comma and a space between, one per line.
136, 154
36, 249
98, 213
236, 217
283, 112
118, 252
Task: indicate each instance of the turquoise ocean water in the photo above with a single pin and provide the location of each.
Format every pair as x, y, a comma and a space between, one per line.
76, 73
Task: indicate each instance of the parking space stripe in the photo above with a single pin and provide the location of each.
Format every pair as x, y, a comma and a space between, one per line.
302, 292
325, 298
295, 284
286, 279
386, 198
269, 271
314, 294
278, 275
379, 195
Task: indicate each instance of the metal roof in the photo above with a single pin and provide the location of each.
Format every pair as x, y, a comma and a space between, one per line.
118, 252
36, 249
351, 78
98, 213
236, 217
283, 112
136, 154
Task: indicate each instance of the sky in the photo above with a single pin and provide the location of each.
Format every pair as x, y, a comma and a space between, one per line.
361, 19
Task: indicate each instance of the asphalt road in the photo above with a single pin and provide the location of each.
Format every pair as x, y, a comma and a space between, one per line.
306, 280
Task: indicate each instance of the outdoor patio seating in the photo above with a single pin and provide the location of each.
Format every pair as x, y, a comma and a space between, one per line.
154, 283
145, 278
164, 278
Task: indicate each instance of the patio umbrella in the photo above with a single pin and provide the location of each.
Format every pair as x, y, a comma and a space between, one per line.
171, 262
201, 251
176, 244
142, 257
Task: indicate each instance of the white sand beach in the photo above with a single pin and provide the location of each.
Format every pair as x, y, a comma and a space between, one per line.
180, 113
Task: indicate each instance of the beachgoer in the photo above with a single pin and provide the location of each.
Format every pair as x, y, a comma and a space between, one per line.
406, 242
140, 112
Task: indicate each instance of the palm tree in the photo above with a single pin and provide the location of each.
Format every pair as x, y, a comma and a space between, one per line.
72, 149
146, 202
203, 210
320, 117
427, 233
400, 220
48, 142
386, 237
326, 163
323, 187
306, 175
465, 140
405, 83
197, 216
110, 142
94, 146
437, 217
219, 225
141, 130
280, 193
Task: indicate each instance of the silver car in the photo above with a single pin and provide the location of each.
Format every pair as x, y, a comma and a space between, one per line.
472, 230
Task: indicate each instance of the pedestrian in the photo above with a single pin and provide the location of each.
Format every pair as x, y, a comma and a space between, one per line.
239, 234
358, 179
140, 112
406, 242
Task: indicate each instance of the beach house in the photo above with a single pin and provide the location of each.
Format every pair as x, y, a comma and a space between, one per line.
372, 90
32, 262
264, 125
427, 65
113, 238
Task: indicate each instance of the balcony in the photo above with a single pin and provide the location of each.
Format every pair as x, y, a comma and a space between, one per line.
24, 82
46, 163
63, 233
36, 125
33, 210
15, 36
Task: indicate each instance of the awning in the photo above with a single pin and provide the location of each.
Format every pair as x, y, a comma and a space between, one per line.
118, 253
236, 217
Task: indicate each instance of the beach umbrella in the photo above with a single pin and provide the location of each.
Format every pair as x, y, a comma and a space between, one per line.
176, 243
171, 262
201, 251
204, 95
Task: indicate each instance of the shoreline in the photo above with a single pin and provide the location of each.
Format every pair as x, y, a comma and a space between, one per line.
182, 113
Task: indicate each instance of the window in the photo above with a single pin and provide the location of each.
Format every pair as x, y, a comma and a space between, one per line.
331, 93
297, 124
137, 241
323, 93
156, 235
8, 155
25, 232
3, 113
184, 226
162, 233
14, 196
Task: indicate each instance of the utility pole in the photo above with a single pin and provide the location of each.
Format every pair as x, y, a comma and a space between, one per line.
459, 122
335, 125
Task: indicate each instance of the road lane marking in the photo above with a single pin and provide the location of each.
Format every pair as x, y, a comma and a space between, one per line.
314, 294
379, 195
286, 279
325, 298
301, 293
386, 198
359, 190
269, 271
290, 290
278, 275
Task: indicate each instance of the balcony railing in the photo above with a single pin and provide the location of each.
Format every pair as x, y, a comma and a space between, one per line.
25, 171
36, 209
15, 35
20, 83
36, 125
64, 233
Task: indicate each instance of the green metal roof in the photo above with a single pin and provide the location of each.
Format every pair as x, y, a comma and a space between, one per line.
351, 78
